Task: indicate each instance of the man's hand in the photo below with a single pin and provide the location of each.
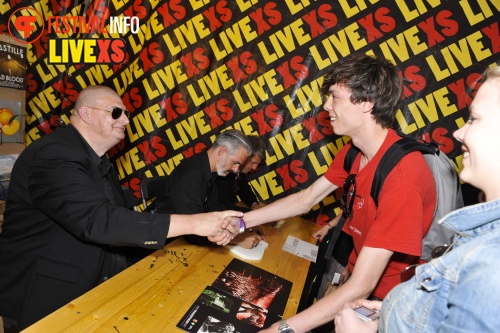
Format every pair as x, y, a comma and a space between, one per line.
321, 232
231, 221
221, 239
249, 239
345, 275
347, 321
220, 227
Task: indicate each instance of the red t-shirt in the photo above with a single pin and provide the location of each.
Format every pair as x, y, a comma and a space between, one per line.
404, 214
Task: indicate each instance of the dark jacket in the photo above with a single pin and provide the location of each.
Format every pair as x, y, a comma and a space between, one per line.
231, 186
64, 231
190, 189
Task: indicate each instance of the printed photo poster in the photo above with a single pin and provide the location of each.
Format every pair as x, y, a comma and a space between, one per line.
11, 123
12, 66
215, 311
255, 286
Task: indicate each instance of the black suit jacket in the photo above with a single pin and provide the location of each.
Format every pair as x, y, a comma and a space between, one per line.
64, 233
230, 186
190, 189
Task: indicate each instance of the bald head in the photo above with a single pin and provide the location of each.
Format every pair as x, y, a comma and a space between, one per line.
92, 117
91, 94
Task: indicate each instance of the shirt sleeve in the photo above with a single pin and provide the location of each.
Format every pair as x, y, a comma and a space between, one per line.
336, 173
65, 186
398, 227
245, 192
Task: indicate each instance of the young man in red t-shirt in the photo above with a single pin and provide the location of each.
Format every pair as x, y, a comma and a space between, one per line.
363, 96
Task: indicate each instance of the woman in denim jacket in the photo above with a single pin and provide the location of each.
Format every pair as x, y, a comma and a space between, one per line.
460, 291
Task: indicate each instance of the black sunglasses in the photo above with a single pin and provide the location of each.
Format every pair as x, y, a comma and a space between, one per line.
409, 271
115, 113
347, 198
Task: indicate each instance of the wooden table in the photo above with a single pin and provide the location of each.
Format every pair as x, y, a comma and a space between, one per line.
154, 294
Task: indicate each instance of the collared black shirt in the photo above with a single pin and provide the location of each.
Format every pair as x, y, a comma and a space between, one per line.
188, 186
233, 186
190, 189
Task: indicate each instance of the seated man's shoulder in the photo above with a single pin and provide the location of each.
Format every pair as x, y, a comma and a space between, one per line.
193, 161
193, 164
58, 144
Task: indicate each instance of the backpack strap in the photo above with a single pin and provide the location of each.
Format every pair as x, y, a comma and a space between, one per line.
350, 156
335, 236
348, 162
392, 156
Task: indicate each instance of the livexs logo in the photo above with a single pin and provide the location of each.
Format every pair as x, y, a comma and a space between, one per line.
26, 25
88, 51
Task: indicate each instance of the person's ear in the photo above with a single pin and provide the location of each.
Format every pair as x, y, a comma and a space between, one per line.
222, 150
84, 114
367, 106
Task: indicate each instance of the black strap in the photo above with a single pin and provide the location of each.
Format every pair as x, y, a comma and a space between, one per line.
335, 237
350, 156
392, 156
326, 248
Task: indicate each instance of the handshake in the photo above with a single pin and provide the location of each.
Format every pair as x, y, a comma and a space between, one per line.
219, 227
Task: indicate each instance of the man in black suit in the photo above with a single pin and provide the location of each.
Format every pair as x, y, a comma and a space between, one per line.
236, 185
190, 188
66, 226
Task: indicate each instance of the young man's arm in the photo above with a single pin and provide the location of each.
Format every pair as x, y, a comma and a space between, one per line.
220, 227
370, 265
292, 205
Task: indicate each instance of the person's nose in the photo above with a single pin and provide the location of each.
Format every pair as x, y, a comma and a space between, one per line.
328, 104
124, 119
459, 133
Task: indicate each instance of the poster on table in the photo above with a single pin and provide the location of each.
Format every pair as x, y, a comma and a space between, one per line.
255, 286
216, 311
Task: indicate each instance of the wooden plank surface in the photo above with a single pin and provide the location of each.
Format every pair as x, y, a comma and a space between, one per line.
154, 294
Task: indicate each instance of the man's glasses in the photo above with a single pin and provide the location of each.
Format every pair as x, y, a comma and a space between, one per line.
115, 113
347, 199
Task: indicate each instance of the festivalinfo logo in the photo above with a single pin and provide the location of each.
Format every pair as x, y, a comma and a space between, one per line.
26, 25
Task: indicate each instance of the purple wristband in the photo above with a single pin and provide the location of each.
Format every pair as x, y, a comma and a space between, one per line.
242, 225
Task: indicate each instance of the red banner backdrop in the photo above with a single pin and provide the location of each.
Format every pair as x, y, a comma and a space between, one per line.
195, 68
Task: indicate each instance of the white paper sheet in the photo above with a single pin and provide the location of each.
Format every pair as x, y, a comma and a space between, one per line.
301, 248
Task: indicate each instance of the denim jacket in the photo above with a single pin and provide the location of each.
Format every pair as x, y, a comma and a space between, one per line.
458, 292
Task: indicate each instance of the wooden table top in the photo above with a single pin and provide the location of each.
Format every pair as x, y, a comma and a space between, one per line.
154, 294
